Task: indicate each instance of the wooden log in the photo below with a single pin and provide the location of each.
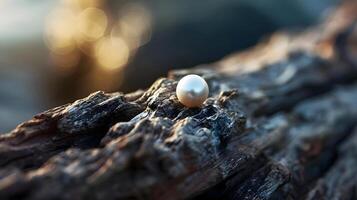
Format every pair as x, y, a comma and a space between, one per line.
274, 127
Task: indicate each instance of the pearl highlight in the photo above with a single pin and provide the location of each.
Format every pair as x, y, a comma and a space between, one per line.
192, 91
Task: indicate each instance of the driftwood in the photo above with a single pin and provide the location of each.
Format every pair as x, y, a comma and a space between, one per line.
279, 124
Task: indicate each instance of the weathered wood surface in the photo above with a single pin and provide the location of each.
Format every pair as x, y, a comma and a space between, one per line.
279, 124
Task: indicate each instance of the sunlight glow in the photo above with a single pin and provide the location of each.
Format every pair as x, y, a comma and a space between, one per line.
134, 25
112, 53
60, 31
105, 40
92, 23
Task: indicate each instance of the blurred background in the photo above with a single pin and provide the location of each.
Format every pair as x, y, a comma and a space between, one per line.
53, 52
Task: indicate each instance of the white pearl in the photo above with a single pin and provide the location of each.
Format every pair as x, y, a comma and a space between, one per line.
192, 91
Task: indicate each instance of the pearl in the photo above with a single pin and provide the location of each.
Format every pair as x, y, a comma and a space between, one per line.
192, 90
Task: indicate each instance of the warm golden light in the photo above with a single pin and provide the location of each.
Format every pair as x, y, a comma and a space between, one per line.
60, 31
92, 23
81, 4
134, 25
81, 30
112, 53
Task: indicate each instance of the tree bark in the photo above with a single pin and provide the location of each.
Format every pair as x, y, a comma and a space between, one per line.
279, 124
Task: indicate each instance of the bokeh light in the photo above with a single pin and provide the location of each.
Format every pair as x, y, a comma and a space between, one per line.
112, 53
82, 4
92, 23
134, 25
60, 31
107, 40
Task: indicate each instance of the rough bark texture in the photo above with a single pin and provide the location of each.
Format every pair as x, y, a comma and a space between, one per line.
279, 124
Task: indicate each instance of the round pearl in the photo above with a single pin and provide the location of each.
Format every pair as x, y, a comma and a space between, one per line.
192, 91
